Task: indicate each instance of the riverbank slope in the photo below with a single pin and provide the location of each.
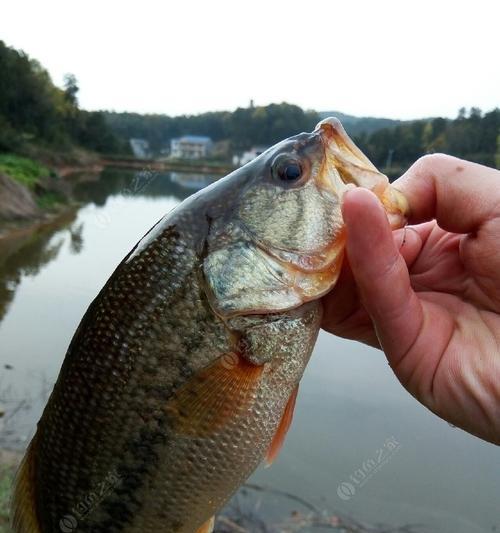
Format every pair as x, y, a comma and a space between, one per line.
33, 193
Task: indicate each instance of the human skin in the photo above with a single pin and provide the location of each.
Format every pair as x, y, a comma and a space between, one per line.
429, 295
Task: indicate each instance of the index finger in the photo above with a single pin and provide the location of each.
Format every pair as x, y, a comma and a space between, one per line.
459, 194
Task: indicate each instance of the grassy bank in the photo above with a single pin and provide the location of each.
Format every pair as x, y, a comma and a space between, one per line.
32, 191
23, 170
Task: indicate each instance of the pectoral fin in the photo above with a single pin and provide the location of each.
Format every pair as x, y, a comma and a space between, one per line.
214, 396
207, 527
280, 435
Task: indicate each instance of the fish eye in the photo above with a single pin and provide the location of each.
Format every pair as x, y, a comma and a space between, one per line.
287, 170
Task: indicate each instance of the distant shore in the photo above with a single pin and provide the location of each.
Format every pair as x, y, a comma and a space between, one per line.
166, 165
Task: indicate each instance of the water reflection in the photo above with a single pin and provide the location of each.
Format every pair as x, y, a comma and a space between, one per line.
191, 181
76, 236
145, 183
27, 253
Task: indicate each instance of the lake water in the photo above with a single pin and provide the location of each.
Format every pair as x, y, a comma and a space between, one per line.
354, 427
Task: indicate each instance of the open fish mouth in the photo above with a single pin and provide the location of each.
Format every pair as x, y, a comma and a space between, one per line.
346, 166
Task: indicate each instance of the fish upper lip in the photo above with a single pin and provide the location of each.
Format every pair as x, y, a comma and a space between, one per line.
342, 147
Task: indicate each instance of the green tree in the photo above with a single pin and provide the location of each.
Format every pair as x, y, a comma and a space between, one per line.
472, 135
34, 110
71, 89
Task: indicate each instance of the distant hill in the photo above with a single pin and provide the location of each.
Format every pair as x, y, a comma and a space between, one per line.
357, 125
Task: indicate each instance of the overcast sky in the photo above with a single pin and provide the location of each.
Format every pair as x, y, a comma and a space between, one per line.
382, 58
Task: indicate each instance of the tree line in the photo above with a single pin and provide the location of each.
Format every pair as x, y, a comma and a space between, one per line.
34, 110
472, 135
244, 127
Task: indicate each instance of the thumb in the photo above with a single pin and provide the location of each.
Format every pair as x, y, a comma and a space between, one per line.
381, 274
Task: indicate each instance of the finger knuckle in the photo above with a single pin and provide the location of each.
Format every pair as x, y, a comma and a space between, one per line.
435, 164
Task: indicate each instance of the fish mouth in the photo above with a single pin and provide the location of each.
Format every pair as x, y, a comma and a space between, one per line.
346, 166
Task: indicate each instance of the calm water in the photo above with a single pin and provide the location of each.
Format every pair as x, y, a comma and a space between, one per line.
351, 415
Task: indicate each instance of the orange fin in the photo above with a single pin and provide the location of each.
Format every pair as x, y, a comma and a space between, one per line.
280, 435
207, 527
217, 393
23, 512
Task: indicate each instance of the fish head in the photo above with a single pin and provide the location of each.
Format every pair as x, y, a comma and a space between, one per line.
281, 241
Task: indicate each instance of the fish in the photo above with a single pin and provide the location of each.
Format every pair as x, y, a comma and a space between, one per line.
182, 377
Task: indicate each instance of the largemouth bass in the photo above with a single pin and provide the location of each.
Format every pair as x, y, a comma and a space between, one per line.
182, 375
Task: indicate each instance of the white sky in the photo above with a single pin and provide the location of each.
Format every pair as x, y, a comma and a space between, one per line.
398, 59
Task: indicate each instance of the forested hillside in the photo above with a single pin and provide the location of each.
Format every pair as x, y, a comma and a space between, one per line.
243, 127
34, 110
472, 135
360, 125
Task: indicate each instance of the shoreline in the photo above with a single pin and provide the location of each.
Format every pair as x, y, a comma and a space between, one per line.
155, 165
20, 228
71, 170
37, 217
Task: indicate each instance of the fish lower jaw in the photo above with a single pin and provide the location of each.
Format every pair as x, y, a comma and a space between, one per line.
310, 287
298, 289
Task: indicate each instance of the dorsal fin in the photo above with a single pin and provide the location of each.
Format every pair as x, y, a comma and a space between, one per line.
23, 508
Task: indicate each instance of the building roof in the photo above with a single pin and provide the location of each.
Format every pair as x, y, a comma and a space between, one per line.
195, 139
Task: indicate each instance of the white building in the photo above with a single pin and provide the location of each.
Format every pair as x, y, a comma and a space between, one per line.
190, 147
249, 155
140, 148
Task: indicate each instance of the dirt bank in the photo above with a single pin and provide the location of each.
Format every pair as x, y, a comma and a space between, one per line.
24, 209
16, 201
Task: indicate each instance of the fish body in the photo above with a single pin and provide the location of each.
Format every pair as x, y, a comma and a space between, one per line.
182, 376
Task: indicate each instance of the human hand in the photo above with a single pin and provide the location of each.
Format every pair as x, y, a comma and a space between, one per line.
429, 295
